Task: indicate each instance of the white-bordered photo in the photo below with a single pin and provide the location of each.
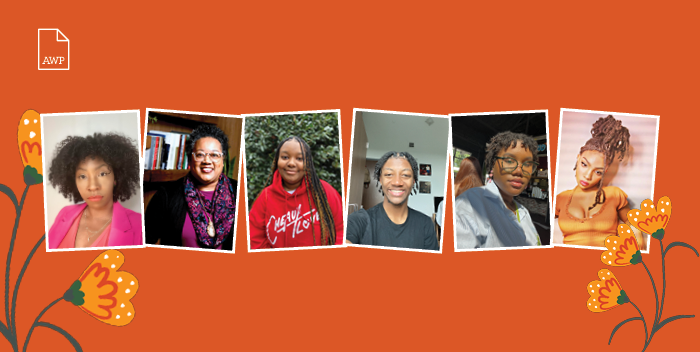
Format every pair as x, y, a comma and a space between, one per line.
92, 189
501, 173
294, 178
390, 204
192, 163
606, 166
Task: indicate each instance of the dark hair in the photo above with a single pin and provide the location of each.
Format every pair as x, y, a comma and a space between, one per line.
206, 130
505, 140
314, 189
469, 175
393, 154
609, 138
118, 152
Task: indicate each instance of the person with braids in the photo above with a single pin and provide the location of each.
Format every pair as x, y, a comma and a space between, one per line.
101, 170
591, 211
198, 210
489, 216
296, 209
392, 223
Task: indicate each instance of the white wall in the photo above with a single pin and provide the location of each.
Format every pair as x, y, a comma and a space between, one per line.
56, 127
634, 175
387, 132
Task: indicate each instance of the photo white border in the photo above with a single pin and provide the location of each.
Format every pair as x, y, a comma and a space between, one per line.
45, 184
449, 130
653, 178
549, 171
238, 185
342, 180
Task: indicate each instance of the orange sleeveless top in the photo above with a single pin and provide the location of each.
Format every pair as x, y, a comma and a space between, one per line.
591, 231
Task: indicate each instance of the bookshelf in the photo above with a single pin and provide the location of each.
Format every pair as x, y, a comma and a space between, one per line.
185, 123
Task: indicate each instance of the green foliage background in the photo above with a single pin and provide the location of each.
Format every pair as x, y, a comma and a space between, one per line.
264, 133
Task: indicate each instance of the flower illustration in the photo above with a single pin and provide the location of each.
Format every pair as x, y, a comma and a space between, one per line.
605, 293
29, 143
650, 219
104, 292
622, 250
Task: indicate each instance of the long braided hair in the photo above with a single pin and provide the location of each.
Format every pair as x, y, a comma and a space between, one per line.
609, 138
314, 190
404, 155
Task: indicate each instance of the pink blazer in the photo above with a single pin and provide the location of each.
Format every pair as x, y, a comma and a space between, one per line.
125, 229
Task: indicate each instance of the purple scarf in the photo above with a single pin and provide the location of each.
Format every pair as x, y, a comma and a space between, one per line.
223, 214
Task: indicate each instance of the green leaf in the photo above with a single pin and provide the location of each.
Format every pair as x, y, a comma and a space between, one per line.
32, 176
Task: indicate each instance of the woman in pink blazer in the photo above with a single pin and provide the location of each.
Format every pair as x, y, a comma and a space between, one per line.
101, 170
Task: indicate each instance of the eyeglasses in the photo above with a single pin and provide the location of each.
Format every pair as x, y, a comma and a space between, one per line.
509, 165
215, 156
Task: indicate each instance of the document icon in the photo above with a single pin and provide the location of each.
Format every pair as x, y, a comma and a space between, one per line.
54, 50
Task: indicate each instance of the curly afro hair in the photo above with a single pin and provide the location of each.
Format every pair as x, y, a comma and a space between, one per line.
207, 131
505, 140
118, 152
405, 155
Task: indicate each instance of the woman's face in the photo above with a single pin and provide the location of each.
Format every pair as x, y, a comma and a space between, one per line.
207, 170
590, 167
95, 182
514, 182
290, 164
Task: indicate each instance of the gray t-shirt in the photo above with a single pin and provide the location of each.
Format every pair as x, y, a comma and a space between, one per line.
373, 227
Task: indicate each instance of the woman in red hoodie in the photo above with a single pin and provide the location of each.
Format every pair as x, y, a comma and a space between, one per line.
296, 209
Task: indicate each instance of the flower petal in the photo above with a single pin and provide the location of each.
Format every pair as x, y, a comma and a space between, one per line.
621, 248
650, 218
604, 292
29, 140
108, 291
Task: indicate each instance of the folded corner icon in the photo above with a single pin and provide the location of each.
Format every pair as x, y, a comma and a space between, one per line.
54, 50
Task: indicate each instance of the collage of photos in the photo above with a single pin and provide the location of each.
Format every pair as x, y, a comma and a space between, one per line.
180, 187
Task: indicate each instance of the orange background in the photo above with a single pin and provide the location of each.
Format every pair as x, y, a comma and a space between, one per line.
408, 56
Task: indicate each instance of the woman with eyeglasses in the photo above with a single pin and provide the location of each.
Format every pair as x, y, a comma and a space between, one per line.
488, 216
591, 211
101, 170
199, 209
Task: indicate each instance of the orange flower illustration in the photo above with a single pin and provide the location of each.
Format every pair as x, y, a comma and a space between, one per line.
605, 293
104, 292
650, 219
29, 143
622, 250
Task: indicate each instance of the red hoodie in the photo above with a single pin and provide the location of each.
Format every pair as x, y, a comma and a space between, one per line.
279, 219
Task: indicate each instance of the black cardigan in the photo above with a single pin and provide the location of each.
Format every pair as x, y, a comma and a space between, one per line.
166, 213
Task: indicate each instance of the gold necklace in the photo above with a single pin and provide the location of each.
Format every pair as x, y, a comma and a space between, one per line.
98, 231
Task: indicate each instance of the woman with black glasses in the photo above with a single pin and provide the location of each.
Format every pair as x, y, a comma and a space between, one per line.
489, 216
199, 209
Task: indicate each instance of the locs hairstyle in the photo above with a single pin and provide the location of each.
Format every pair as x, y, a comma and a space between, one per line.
609, 138
505, 140
405, 155
207, 131
314, 191
119, 153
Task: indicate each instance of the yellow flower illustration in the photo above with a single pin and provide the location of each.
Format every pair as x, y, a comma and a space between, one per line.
650, 219
605, 293
104, 292
622, 250
30, 149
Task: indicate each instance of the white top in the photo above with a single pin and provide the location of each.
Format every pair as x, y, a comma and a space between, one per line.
484, 221
440, 210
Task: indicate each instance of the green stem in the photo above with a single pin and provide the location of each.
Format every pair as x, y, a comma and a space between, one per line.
663, 273
656, 295
36, 321
646, 332
19, 281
